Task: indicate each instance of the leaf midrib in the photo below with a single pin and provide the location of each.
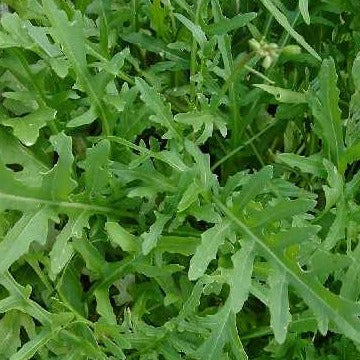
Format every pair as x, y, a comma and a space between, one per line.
64, 204
293, 273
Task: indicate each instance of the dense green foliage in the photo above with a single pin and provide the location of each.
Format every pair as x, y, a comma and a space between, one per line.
179, 179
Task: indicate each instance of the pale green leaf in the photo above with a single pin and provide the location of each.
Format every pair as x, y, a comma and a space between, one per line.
239, 278
120, 237
14, 25
163, 112
151, 237
70, 36
13, 152
350, 287
281, 210
62, 250
39, 36
294, 236
103, 305
202, 121
34, 345
337, 229
189, 197
184, 245
27, 128
210, 241
60, 66
334, 191
86, 118
312, 164
324, 105
96, 167
10, 333
324, 303
283, 95
304, 9
202, 166
224, 26
58, 181
279, 304
252, 188
356, 72
223, 331
70, 290
195, 29
32, 227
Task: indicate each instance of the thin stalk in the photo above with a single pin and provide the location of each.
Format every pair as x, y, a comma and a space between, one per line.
240, 147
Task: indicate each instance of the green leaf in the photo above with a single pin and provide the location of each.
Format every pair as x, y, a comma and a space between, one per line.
58, 181
119, 236
279, 304
169, 157
94, 260
60, 66
178, 244
223, 41
210, 241
62, 250
70, 36
281, 210
202, 121
125, 97
32, 227
304, 9
13, 24
195, 29
151, 237
324, 303
13, 152
163, 112
34, 345
337, 229
356, 72
27, 128
223, 331
70, 290
252, 188
334, 191
350, 282
294, 236
10, 333
324, 105
283, 21
283, 95
189, 197
39, 36
19, 196
202, 167
224, 26
158, 16
239, 278
88, 117
311, 165
352, 129
96, 167
113, 242
103, 305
